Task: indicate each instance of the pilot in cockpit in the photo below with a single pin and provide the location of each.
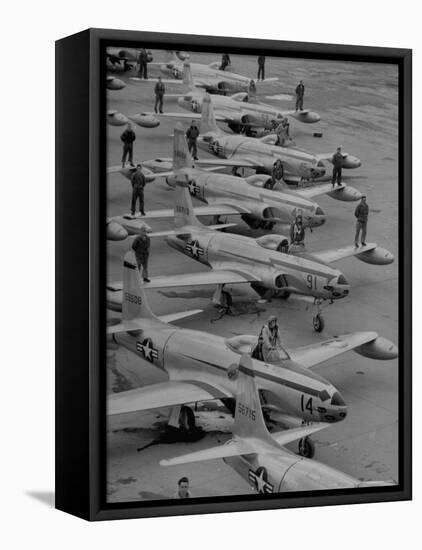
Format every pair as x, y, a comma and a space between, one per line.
268, 347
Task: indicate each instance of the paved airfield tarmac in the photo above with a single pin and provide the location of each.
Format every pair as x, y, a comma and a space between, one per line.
358, 107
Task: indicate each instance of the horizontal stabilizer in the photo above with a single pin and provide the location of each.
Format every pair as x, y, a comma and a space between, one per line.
128, 326
234, 448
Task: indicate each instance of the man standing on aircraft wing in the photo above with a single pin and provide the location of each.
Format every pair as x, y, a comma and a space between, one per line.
143, 64
300, 92
361, 215
128, 137
225, 61
338, 161
138, 184
159, 91
192, 134
141, 244
261, 68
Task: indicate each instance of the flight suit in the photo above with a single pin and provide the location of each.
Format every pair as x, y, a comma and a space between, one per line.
270, 344
192, 134
128, 137
140, 246
261, 67
297, 237
138, 184
159, 91
143, 64
300, 92
361, 215
337, 161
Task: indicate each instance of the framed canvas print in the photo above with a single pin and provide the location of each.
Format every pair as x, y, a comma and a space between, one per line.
233, 274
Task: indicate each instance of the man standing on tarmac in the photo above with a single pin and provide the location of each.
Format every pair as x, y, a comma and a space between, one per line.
140, 246
337, 160
138, 184
159, 91
128, 137
192, 134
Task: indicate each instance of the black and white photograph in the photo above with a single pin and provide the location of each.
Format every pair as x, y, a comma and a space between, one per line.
252, 266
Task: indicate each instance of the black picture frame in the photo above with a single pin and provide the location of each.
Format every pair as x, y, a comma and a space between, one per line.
80, 273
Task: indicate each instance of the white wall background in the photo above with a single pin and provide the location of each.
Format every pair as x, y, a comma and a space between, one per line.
27, 274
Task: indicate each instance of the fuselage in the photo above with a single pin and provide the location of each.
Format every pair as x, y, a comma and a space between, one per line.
263, 204
285, 471
274, 270
195, 355
241, 111
295, 162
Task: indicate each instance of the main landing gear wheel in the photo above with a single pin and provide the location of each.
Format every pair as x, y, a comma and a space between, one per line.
318, 322
186, 419
306, 447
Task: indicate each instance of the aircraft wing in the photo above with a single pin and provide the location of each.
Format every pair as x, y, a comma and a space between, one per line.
165, 394
314, 354
164, 80
335, 254
211, 277
133, 223
245, 446
219, 117
240, 162
316, 190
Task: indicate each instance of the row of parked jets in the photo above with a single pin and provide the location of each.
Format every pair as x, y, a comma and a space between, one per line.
201, 366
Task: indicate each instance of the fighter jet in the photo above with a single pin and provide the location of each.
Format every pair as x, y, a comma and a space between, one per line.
209, 77
260, 457
240, 111
199, 365
261, 154
264, 262
230, 195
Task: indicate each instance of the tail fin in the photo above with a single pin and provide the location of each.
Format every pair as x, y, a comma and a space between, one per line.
187, 77
181, 156
183, 208
208, 123
249, 420
135, 304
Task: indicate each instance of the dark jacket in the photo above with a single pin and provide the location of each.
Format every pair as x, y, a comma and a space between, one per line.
138, 180
361, 212
140, 245
159, 88
297, 233
338, 160
128, 136
143, 56
192, 133
300, 90
261, 60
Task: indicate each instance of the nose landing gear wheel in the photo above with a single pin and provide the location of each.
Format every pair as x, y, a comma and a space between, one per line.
318, 322
186, 419
306, 447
